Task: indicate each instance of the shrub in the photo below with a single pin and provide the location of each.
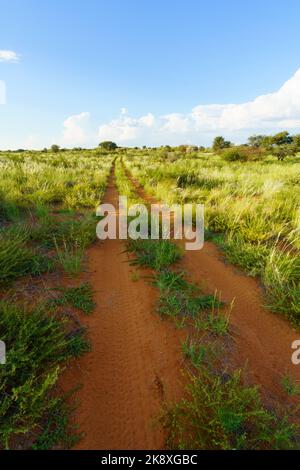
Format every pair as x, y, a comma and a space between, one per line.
243, 153
222, 413
37, 346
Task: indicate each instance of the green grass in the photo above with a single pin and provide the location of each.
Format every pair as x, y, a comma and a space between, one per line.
70, 258
38, 345
50, 232
290, 386
251, 210
222, 413
79, 297
47, 203
17, 259
155, 254
216, 322
179, 298
194, 350
56, 430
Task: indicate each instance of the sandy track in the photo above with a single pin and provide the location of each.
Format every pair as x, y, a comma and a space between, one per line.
262, 339
135, 362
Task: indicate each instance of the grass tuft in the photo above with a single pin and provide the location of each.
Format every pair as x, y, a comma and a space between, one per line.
79, 297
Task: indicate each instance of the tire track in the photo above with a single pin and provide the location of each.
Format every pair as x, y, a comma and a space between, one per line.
135, 362
262, 339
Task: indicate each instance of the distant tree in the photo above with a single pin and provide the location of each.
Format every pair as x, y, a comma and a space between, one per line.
220, 143
45, 150
296, 142
257, 140
55, 148
282, 138
283, 151
108, 145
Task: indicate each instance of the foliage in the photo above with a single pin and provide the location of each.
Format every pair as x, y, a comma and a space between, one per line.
79, 297
108, 145
38, 344
220, 143
222, 413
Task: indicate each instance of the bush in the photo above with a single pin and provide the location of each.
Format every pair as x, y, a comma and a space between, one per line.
17, 260
243, 153
37, 346
222, 413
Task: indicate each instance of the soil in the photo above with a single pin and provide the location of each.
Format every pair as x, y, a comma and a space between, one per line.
135, 364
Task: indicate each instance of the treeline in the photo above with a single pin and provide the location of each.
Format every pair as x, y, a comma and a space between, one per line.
281, 145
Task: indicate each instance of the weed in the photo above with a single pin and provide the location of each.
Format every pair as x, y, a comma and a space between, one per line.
194, 351
289, 385
225, 414
79, 297
38, 345
70, 258
155, 254
17, 260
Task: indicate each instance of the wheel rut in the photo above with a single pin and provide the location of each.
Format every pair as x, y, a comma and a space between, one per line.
135, 362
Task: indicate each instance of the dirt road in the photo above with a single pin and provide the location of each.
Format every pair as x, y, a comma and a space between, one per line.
135, 363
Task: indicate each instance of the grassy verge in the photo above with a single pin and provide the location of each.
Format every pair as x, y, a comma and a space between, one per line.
39, 344
220, 411
251, 207
46, 222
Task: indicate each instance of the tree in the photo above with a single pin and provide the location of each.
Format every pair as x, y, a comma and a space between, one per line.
257, 140
282, 151
55, 148
282, 138
296, 141
220, 143
108, 145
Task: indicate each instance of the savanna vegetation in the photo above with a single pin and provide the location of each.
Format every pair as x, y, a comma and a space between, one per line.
251, 201
220, 411
251, 195
47, 207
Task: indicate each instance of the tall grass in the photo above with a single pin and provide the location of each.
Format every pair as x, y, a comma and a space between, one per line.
254, 206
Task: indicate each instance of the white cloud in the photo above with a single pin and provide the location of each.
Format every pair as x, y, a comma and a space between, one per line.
76, 129
266, 113
274, 110
126, 128
9, 56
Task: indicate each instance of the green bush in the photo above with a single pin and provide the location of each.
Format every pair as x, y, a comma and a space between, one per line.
38, 344
221, 413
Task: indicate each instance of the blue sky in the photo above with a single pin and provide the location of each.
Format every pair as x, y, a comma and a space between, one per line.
147, 72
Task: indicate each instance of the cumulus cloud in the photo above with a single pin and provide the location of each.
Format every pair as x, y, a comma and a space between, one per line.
126, 128
9, 56
76, 129
274, 110
266, 113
